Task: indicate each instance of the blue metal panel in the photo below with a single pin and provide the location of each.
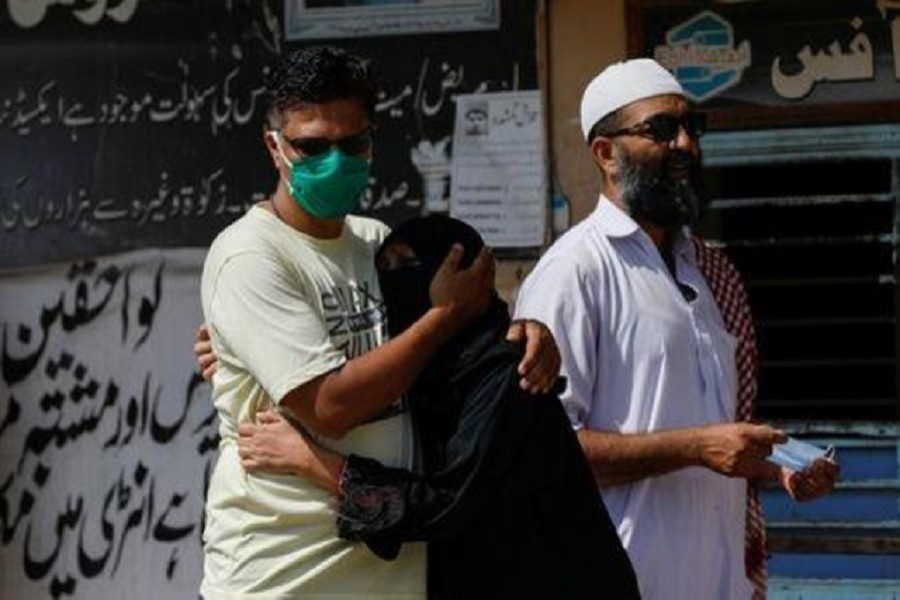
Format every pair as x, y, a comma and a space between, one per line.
835, 566
832, 589
771, 146
867, 462
865, 507
848, 504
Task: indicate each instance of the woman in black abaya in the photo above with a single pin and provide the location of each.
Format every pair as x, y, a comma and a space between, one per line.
501, 490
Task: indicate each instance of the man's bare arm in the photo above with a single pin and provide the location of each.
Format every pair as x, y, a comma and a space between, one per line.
539, 367
732, 449
336, 402
331, 405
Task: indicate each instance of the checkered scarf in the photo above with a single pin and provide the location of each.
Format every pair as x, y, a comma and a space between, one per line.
728, 291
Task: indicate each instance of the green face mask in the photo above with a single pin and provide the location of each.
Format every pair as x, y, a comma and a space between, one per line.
327, 185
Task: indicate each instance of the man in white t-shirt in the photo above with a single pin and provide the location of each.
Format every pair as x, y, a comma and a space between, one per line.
291, 295
651, 368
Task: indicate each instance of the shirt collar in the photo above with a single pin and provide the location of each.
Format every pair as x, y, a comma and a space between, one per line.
612, 220
616, 223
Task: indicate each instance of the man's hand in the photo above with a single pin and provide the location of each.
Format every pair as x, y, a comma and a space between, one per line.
203, 351
540, 365
816, 480
274, 445
465, 293
737, 449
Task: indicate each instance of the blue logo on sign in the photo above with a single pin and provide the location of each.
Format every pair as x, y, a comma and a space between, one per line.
701, 54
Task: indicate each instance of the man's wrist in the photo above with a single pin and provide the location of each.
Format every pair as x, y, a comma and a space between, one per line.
325, 467
336, 468
696, 442
441, 323
334, 465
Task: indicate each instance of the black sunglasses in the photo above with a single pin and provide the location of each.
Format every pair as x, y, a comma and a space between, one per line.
355, 145
663, 128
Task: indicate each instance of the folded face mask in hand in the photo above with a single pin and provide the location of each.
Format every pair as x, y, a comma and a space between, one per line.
797, 455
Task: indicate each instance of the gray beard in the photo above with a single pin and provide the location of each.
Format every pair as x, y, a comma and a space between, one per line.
653, 194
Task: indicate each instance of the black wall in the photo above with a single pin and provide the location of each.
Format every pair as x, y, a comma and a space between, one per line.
128, 129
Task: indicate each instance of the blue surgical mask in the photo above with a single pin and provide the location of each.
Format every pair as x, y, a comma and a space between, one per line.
327, 185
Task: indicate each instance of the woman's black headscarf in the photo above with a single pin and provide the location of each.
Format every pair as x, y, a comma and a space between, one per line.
405, 289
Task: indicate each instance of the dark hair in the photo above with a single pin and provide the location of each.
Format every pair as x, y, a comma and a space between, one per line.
605, 126
316, 75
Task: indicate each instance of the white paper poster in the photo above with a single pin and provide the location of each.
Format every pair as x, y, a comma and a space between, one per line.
499, 173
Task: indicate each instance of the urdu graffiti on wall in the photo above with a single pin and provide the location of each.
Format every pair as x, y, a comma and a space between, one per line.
77, 210
117, 148
107, 435
220, 105
211, 106
113, 140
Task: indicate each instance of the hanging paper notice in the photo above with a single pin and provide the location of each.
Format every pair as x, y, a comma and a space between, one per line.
499, 171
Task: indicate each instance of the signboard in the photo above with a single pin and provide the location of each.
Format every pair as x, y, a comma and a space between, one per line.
797, 62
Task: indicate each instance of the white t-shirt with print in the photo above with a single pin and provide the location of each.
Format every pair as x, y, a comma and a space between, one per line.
286, 308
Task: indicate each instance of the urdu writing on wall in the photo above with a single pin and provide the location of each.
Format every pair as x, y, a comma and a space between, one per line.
107, 435
138, 123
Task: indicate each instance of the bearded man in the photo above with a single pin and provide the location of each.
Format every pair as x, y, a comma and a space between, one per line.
653, 385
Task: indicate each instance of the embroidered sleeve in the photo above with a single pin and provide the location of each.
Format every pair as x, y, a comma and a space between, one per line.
372, 497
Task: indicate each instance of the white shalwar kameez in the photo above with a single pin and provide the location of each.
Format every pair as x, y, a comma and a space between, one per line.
641, 358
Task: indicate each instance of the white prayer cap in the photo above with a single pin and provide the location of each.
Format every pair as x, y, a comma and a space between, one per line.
621, 84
